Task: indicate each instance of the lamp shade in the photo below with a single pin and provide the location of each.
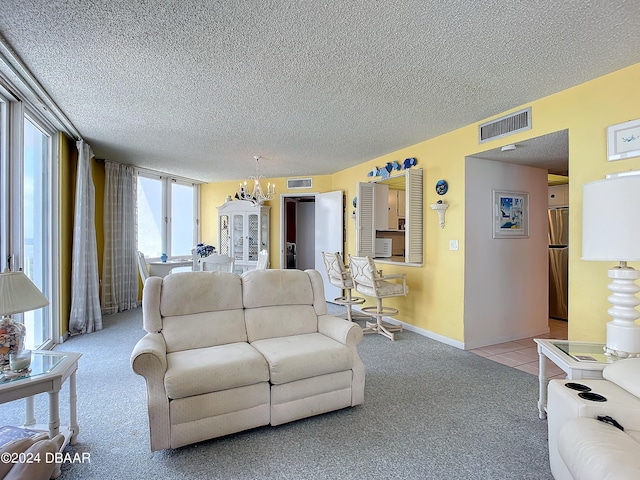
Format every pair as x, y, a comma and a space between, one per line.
611, 219
18, 294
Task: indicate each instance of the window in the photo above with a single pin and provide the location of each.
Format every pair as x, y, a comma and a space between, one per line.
168, 216
35, 224
389, 218
28, 230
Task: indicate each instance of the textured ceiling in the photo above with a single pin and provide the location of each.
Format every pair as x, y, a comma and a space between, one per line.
196, 88
550, 152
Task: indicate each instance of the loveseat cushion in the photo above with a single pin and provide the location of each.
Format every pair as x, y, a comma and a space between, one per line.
593, 450
280, 321
303, 356
184, 293
625, 373
212, 369
279, 303
264, 288
198, 309
200, 330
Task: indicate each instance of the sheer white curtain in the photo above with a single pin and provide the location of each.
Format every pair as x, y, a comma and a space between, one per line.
85, 314
119, 265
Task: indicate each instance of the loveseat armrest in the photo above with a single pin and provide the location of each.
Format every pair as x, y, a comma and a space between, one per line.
149, 359
149, 356
343, 331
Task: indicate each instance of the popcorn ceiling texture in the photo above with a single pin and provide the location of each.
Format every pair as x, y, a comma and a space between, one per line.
196, 88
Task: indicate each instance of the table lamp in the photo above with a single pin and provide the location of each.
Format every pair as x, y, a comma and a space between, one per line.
17, 294
611, 232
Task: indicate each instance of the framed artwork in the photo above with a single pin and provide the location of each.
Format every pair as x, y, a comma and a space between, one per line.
623, 140
510, 214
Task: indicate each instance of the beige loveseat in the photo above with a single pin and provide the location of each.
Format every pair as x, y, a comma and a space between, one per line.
225, 353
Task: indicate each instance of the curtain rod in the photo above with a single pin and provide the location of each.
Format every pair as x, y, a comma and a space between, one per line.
11, 60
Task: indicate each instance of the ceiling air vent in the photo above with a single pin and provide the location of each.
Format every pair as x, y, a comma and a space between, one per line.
299, 183
503, 126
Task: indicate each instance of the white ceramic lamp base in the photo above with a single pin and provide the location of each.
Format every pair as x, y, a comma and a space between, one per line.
623, 334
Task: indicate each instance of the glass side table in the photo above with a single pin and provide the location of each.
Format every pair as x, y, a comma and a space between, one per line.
577, 359
49, 371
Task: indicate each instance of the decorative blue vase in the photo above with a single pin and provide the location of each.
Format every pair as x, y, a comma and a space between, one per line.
163, 257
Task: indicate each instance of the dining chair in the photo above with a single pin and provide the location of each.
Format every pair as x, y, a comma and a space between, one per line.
263, 260
216, 263
142, 267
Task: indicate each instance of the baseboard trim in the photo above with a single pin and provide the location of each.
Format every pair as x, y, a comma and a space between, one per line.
505, 339
420, 331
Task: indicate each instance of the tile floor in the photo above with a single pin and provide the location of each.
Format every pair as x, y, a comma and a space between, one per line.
523, 354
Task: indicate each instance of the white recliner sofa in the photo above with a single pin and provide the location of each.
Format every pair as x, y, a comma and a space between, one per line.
226, 353
585, 448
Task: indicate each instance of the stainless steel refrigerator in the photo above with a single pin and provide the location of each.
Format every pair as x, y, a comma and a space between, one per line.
558, 263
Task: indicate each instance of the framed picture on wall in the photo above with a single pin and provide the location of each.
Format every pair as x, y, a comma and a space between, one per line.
510, 214
623, 140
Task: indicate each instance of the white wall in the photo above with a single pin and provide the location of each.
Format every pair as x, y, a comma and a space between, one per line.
506, 280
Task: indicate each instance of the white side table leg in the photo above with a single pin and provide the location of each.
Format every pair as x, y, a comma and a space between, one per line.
543, 382
73, 416
31, 417
54, 414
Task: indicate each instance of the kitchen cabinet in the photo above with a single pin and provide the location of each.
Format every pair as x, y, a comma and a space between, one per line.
558, 195
396, 209
243, 230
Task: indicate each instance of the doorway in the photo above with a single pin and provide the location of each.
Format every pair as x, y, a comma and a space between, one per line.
311, 224
299, 232
551, 153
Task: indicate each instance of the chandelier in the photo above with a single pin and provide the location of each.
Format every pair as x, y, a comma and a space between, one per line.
258, 195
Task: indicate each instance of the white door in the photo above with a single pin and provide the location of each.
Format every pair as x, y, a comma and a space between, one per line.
329, 228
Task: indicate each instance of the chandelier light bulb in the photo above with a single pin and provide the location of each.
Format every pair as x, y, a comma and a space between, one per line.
257, 196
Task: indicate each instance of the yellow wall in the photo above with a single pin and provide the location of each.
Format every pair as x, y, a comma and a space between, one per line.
436, 298
591, 108
67, 155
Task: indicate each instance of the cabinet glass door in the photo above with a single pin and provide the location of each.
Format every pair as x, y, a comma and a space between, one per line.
224, 235
253, 233
237, 237
264, 235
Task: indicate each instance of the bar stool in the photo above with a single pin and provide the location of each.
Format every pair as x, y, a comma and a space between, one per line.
340, 277
369, 281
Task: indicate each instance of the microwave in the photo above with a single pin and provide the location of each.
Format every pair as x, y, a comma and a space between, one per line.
383, 247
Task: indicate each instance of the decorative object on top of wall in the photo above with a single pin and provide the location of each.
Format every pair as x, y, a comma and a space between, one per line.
510, 214
623, 140
385, 172
409, 162
441, 187
440, 207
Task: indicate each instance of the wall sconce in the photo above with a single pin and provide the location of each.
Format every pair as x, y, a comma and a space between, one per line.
440, 207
